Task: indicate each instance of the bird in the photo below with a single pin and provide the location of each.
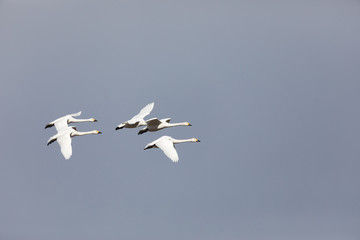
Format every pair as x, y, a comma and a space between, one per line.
64, 139
137, 120
166, 144
63, 122
154, 124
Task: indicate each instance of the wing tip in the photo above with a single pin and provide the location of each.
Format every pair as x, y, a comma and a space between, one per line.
175, 160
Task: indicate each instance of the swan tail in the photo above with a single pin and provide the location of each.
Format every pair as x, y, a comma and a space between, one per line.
121, 126
51, 140
149, 146
142, 131
49, 125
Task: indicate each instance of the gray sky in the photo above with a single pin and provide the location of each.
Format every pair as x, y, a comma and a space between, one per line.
271, 89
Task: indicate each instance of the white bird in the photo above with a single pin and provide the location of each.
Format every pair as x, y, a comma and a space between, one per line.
166, 144
63, 122
137, 120
154, 124
64, 139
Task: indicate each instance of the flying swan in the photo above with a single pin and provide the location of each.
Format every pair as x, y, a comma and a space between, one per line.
64, 139
63, 122
154, 124
137, 120
166, 144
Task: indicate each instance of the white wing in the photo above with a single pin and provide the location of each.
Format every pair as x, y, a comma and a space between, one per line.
168, 148
143, 113
166, 120
61, 123
75, 114
64, 141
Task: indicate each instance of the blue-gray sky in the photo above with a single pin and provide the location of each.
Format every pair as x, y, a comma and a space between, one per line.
271, 89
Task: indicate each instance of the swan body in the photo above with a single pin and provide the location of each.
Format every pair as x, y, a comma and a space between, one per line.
166, 144
64, 139
63, 122
154, 124
138, 119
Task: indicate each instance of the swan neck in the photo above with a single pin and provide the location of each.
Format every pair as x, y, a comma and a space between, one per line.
84, 133
182, 140
81, 120
178, 124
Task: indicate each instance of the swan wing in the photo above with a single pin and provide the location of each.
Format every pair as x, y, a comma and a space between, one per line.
166, 120
144, 112
75, 114
153, 122
61, 124
64, 141
168, 148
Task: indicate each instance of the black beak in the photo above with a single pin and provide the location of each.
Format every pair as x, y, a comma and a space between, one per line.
100, 133
190, 124
198, 140
95, 120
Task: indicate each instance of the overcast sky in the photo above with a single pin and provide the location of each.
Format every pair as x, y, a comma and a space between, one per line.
271, 89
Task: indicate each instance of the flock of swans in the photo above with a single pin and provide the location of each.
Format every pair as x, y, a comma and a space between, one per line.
165, 143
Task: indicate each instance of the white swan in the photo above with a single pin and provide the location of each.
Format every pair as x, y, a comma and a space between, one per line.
63, 122
154, 124
64, 139
166, 144
137, 120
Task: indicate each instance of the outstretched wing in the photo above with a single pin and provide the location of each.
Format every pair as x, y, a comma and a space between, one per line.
166, 120
61, 123
144, 111
153, 122
64, 141
75, 114
168, 148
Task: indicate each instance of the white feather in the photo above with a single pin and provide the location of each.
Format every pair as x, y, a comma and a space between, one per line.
166, 144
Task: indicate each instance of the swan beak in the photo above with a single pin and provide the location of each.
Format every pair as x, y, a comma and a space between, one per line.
94, 120
189, 124
99, 132
197, 140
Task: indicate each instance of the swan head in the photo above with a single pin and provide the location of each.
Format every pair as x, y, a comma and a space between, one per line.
98, 132
94, 120
188, 124
196, 140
